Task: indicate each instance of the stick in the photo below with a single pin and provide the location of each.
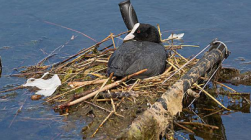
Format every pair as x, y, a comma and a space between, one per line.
76, 84
221, 110
209, 95
110, 77
69, 29
113, 41
12, 89
201, 124
187, 129
102, 123
27, 74
19, 110
221, 84
225, 86
75, 97
103, 109
104, 100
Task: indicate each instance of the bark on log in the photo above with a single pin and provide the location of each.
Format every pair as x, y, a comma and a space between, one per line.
156, 119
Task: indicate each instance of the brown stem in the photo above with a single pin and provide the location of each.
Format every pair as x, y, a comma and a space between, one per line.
200, 124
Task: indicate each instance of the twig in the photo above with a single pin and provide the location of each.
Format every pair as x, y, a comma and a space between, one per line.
112, 112
113, 41
159, 32
76, 84
113, 106
104, 100
213, 113
182, 46
19, 110
180, 55
226, 86
200, 124
110, 77
221, 85
28, 74
163, 75
76, 96
52, 53
15, 88
187, 129
83, 93
185, 64
69, 29
41, 119
103, 108
134, 85
209, 95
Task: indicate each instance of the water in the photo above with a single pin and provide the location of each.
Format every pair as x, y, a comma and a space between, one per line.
25, 39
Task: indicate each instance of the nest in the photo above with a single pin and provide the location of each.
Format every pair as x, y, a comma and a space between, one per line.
85, 73
87, 87
86, 83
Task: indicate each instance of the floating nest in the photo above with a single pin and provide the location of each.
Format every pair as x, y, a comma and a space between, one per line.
85, 72
88, 92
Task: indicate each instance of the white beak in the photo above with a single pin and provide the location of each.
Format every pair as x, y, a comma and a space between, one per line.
130, 35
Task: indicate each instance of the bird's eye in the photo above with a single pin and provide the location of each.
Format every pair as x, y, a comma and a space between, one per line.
138, 31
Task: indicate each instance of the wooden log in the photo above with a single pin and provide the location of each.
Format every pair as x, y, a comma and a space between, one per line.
156, 119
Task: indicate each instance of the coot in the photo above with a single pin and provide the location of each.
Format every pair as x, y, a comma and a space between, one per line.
144, 52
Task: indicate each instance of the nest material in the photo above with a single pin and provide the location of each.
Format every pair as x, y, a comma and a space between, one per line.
86, 70
84, 73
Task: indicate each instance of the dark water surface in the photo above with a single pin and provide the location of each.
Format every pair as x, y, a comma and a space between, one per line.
25, 39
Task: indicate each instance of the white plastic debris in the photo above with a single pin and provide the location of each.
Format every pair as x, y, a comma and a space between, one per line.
176, 36
47, 87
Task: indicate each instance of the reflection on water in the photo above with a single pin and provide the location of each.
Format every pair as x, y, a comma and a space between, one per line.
25, 40
207, 112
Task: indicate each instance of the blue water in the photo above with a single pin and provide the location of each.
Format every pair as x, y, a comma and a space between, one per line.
25, 39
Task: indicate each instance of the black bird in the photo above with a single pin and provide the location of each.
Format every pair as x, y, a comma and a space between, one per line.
144, 52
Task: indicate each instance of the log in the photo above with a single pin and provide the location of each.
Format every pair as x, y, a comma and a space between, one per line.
159, 117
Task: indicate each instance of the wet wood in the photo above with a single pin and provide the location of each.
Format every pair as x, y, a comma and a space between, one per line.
199, 124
